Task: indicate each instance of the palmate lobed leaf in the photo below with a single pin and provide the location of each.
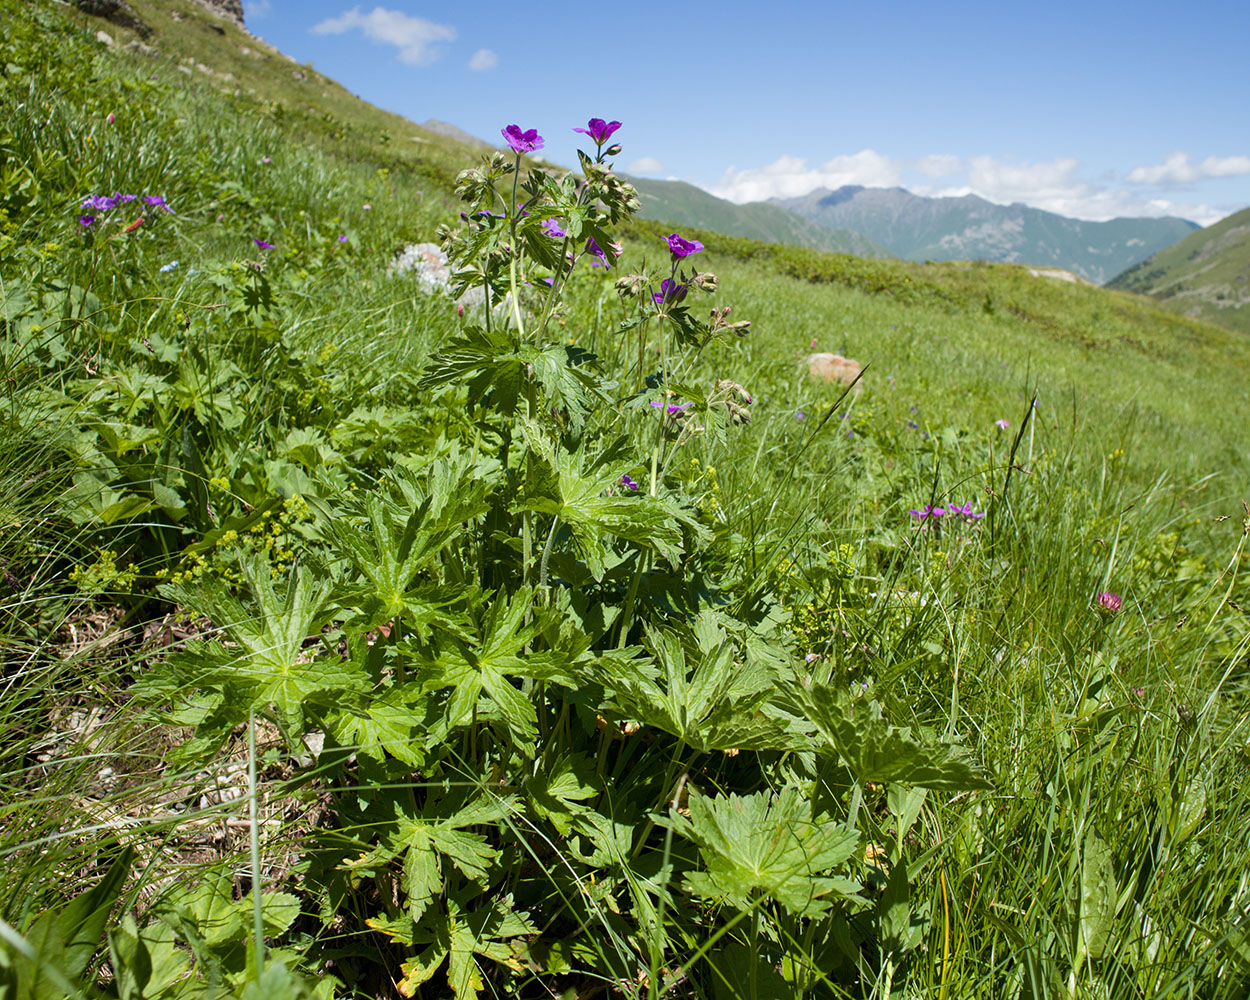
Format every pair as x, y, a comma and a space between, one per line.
270, 665
698, 689
484, 666
770, 844
493, 931
874, 750
588, 501
385, 723
437, 832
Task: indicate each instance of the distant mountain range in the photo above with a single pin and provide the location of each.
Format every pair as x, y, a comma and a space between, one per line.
1206, 275
917, 228
684, 204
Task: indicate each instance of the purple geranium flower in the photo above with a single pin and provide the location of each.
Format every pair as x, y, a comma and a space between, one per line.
342, 237
596, 251
86, 220
262, 244
552, 227
156, 201
670, 291
679, 247
599, 130
629, 484
522, 142
1002, 425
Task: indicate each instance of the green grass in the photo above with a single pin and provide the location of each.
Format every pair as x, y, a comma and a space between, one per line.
207, 471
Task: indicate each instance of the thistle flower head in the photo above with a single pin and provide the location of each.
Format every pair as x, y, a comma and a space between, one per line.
1107, 603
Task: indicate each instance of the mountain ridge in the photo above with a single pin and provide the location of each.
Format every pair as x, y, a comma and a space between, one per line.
916, 227
684, 204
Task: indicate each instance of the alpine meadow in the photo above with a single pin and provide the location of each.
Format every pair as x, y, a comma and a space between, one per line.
523, 615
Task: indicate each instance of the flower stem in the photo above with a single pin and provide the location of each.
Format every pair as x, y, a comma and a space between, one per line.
513, 219
258, 921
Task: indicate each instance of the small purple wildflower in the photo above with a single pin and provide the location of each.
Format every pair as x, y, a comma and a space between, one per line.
670, 291
672, 407
800, 415
552, 228
86, 221
928, 511
680, 248
913, 425
522, 142
342, 237
599, 130
99, 202
156, 201
629, 484
811, 658
262, 244
1002, 425
1139, 692
1108, 603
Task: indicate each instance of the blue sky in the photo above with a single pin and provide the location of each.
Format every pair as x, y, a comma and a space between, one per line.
1088, 109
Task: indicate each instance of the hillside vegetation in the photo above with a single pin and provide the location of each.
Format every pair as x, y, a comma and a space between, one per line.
555, 633
1205, 276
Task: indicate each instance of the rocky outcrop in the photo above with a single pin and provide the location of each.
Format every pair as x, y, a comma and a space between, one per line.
230, 10
117, 12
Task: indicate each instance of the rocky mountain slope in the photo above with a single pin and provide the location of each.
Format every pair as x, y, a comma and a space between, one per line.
917, 228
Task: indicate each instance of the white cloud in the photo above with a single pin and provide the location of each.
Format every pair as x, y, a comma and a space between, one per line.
939, 165
483, 59
254, 10
1042, 185
645, 166
790, 177
415, 37
1060, 186
1178, 168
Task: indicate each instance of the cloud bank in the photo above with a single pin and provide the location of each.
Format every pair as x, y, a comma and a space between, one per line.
483, 59
415, 37
1179, 169
1060, 185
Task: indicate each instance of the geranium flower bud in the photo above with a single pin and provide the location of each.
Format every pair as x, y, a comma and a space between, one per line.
630, 284
707, 281
614, 150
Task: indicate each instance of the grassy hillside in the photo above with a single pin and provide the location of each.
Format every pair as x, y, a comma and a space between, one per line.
1205, 276
682, 204
356, 641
